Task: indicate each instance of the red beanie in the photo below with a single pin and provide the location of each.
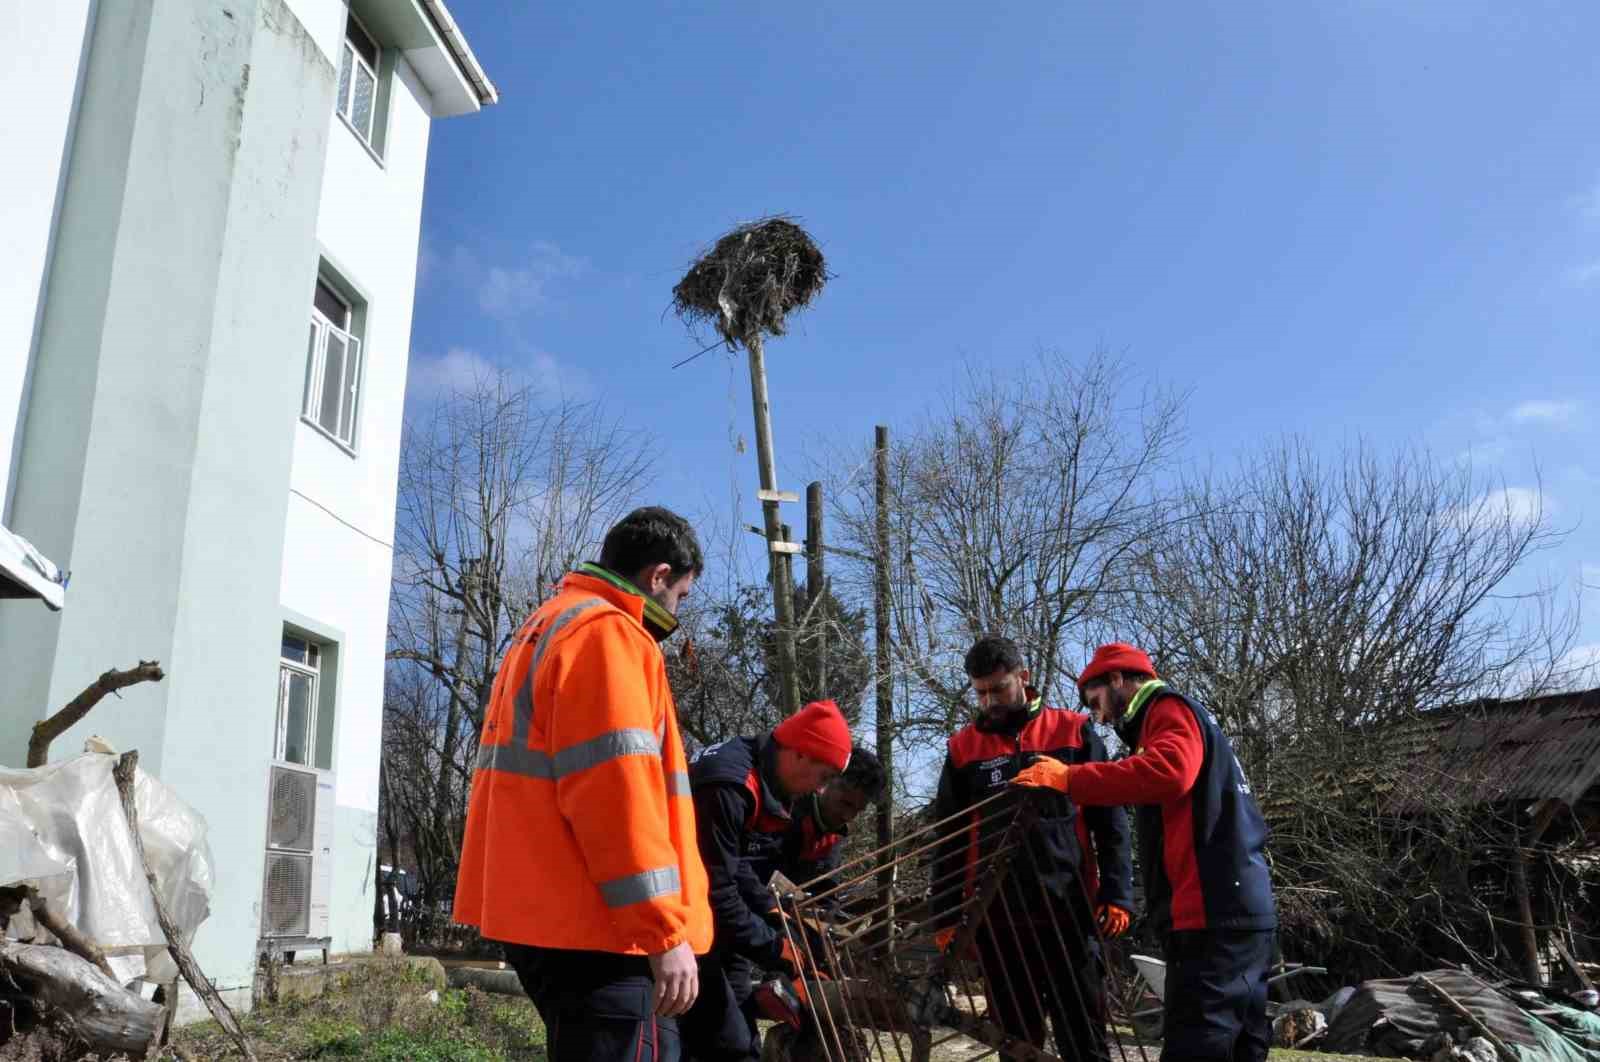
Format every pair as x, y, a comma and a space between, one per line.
818, 730
1117, 656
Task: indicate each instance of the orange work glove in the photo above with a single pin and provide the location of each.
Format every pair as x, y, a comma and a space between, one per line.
1113, 920
943, 938
1043, 773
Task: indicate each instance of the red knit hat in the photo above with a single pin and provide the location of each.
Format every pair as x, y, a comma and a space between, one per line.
1117, 656
818, 730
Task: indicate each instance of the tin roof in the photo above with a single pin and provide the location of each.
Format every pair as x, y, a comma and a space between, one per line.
1484, 752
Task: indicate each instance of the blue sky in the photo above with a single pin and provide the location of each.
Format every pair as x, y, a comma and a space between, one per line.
1353, 219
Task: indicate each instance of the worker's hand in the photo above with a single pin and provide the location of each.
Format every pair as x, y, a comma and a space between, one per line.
1113, 920
677, 980
1043, 773
943, 938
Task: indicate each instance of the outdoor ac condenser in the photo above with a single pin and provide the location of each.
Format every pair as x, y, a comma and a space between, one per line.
299, 865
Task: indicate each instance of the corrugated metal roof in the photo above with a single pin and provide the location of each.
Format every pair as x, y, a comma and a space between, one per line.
1481, 753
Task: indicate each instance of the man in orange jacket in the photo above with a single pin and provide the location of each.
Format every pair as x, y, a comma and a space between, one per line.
580, 852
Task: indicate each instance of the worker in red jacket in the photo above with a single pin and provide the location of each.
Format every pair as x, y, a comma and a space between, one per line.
1037, 943
1201, 842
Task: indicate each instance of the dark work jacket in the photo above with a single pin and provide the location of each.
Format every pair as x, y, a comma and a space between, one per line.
742, 823
1213, 838
981, 760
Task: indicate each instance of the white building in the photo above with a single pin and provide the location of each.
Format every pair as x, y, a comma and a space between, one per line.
210, 210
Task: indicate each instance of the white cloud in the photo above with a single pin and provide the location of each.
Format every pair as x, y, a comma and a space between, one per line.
1580, 667
1522, 505
509, 292
459, 369
1544, 411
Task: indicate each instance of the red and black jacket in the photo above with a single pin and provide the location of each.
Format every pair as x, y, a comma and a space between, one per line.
742, 823
982, 759
1201, 837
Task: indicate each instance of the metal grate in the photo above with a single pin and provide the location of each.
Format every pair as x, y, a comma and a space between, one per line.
286, 903
291, 813
917, 951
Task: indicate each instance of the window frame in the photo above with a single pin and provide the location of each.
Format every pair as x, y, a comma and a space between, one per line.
311, 400
288, 666
344, 105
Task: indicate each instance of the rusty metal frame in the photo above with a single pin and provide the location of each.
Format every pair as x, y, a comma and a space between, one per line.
879, 986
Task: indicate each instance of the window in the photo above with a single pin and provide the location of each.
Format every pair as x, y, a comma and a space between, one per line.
333, 366
299, 670
358, 80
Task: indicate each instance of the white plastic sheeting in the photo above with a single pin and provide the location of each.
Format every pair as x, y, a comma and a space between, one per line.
62, 830
25, 572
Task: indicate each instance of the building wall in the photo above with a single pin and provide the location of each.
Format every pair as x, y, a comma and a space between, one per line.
181, 267
41, 51
338, 539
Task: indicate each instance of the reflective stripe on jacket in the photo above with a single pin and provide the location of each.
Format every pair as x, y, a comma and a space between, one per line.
580, 829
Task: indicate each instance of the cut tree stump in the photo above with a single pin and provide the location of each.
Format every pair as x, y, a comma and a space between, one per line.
106, 1016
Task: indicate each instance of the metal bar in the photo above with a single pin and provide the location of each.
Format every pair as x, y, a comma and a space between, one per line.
777, 495
1083, 1005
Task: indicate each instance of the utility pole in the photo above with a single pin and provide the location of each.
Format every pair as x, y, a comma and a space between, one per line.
779, 548
885, 689
816, 586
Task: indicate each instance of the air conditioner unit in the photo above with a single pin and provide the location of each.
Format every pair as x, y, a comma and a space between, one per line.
298, 878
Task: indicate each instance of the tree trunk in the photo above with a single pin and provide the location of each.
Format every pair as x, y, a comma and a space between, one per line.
108, 1017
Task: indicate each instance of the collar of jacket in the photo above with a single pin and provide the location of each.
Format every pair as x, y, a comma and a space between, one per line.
813, 808
655, 619
772, 795
1013, 722
1141, 697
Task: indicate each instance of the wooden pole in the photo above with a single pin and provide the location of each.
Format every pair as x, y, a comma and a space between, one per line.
816, 586
885, 689
782, 589
1530, 937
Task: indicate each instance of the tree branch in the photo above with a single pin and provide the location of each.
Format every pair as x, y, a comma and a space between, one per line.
49, 729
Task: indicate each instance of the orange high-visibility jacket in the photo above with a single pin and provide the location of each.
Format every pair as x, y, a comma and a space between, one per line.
580, 830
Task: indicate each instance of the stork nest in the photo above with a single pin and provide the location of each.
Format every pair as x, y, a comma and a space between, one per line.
751, 280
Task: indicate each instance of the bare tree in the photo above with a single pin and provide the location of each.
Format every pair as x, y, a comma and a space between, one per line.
500, 493
1016, 508
1320, 607
1304, 598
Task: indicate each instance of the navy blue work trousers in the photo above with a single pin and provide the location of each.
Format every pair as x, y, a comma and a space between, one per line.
596, 1005
1216, 996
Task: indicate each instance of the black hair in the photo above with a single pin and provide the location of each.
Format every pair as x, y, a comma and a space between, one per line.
991, 653
864, 772
649, 536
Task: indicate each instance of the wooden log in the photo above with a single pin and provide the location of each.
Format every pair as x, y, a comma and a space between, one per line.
127, 765
106, 1016
70, 936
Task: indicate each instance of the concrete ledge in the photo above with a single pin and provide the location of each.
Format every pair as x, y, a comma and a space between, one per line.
312, 981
